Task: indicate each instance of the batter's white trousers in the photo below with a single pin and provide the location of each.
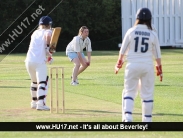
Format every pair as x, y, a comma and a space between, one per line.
38, 73
138, 76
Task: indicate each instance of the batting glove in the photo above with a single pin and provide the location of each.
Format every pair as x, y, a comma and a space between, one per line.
50, 60
159, 72
118, 66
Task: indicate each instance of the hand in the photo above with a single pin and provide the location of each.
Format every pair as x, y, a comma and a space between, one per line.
48, 53
118, 66
116, 69
88, 63
50, 60
52, 49
159, 72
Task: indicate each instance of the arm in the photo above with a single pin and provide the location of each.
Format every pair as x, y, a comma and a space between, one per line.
159, 71
122, 52
89, 50
80, 58
89, 58
48, 38
119, 63
157, 55
158, 61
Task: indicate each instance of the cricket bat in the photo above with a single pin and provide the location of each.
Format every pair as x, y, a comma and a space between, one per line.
54, 39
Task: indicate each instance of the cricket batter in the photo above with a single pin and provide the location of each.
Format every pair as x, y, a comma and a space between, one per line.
74, 51
37, 56
139, 45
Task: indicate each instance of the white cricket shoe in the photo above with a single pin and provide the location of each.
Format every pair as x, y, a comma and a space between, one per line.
128, 118
147, 119
33, 104
74, 83
127, 121
42, 107
76, 80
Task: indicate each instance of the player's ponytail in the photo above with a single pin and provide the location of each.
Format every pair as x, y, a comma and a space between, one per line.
146, 22
82, 29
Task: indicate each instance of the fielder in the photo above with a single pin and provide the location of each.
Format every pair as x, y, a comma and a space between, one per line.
74, 51
37, 57
139, 45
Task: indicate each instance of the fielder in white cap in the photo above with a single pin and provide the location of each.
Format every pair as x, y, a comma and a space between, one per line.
140, 45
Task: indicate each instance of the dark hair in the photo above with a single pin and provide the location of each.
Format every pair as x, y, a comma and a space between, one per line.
146, 22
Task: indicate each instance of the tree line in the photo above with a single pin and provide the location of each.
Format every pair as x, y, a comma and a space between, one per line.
102, 17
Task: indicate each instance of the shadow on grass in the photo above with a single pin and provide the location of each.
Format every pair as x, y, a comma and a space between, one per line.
163, 114
101, 84
93, 111
79, 78
172, 85
10, 87
81, 111
162, 85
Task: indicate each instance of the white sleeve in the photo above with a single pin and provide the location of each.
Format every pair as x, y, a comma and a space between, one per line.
75, 43
88, 47
48, 33
156, 47
125, 43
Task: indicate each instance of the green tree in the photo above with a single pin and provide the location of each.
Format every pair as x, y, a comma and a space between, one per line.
103, 18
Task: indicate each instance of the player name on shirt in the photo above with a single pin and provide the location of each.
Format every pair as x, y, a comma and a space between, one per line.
142, 33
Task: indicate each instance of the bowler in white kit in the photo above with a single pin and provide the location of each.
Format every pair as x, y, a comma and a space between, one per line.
140, 45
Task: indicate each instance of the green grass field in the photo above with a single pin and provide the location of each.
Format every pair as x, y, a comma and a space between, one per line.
96, 99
